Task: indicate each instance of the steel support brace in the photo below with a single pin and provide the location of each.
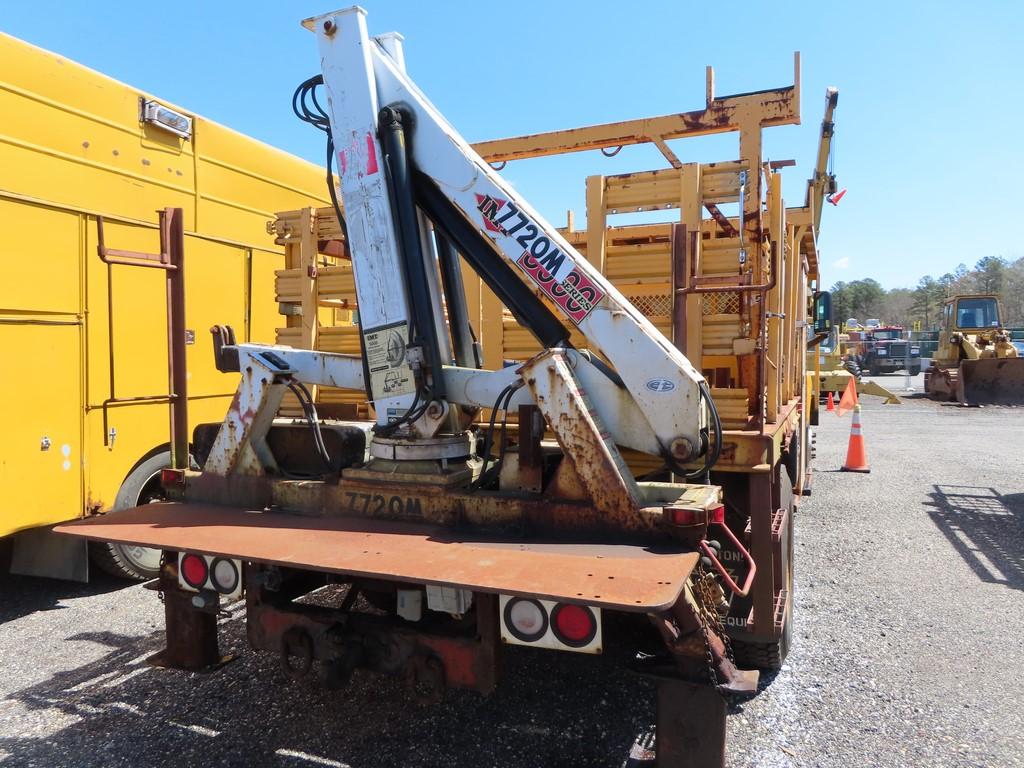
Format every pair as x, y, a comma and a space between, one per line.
691, 726
761, 548
191, 633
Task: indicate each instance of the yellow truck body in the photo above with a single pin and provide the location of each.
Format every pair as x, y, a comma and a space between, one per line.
83, 340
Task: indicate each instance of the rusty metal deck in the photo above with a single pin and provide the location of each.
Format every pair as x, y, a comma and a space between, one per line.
623, 576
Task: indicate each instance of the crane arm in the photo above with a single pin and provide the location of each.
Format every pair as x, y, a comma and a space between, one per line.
401, 163
823, 182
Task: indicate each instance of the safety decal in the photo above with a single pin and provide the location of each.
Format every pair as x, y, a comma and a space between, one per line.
390, 374
372, 166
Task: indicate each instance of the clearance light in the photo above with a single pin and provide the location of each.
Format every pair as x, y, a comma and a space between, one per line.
717, 514
693, 516
170, 478
193, 570
156, 114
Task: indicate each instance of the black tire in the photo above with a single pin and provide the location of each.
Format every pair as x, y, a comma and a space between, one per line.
766, 656
874, 370
142, 486
915, 370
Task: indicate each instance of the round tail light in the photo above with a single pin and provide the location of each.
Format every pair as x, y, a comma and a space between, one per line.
526, 619
574, 625
194, 570
224, 575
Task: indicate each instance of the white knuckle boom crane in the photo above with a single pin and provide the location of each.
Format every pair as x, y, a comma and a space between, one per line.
464, 538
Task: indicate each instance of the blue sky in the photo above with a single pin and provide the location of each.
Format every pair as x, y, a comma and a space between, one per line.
928, 137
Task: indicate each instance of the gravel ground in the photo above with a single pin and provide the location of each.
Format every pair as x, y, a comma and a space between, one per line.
909, 595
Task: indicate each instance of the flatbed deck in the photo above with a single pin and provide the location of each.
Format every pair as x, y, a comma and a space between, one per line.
626, 577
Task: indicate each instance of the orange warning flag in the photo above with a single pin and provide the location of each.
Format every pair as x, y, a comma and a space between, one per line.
849, 398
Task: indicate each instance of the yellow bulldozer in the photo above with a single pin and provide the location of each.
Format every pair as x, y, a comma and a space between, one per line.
975, 363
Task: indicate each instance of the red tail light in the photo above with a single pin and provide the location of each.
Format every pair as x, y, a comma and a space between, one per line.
194, 570
574, 625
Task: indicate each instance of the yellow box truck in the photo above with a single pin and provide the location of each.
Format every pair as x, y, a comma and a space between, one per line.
84, 372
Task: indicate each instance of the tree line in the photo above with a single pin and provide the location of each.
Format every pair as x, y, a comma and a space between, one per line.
866, 298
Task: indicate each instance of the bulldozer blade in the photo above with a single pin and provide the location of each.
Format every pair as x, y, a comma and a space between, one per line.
991, 381
871, 388
836, 381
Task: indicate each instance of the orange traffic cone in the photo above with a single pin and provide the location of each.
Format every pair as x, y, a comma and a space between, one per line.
831, 402
856, 456
849, 399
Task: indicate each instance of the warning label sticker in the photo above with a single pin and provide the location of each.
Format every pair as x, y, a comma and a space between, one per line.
390, 374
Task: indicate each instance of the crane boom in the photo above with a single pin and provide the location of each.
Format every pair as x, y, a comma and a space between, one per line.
823, 182
370, 99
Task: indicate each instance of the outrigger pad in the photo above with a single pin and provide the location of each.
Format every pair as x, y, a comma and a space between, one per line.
627, 577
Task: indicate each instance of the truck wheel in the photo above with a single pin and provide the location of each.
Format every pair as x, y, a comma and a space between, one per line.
142, 486
767, 656
915, 370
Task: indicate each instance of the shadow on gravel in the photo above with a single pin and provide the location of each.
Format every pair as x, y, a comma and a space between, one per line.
23, 595
560, 710
985, 528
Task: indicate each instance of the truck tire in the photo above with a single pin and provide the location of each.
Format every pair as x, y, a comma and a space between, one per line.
142, 486
766, 656
874, 369
914, 370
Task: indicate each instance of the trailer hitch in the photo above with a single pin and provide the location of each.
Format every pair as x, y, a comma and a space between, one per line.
709, 552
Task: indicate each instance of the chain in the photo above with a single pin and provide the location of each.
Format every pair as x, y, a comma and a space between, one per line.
160, 575
707, 612
710, 601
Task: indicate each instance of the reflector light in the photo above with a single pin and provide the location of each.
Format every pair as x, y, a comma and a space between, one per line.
684, 516
224, 575
194, 570
526, 619
170, 477
717, 514
574, 625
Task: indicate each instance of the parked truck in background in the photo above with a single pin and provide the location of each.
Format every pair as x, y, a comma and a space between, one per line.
886, 349
88, 428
